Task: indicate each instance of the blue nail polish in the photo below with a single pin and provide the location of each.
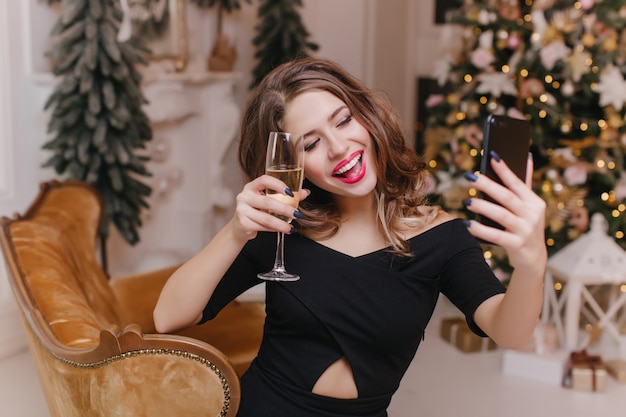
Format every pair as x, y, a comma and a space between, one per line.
468, 223
467, 202
470, 176
495, 156
288, 192
298, 215
292, 231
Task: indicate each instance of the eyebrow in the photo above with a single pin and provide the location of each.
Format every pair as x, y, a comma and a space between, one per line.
331, 117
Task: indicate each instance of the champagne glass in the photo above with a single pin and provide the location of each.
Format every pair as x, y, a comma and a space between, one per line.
285, 161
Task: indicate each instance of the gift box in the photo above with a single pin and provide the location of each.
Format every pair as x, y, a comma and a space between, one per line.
585, 372
456, 331
617, 369
546, 367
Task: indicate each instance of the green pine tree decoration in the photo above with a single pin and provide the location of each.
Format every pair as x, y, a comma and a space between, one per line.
560, 64
281, 36
97, 123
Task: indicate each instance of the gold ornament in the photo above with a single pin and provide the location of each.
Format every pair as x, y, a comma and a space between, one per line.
588, 40
462, 158
559, 206
610, 43
434, 138
579, 144
452, 99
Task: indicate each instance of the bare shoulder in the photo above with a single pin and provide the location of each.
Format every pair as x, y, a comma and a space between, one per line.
433, 219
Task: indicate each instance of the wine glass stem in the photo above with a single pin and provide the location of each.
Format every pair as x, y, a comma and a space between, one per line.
279, 264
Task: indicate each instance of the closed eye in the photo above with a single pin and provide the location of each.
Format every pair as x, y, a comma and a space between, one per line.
311, 145
345, 120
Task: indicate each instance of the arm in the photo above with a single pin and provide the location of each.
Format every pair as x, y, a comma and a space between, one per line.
510, 318
188, 290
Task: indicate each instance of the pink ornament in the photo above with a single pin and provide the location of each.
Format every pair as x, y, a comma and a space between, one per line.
532, 87
579, 219
514, 113
474, 135
586, 4
620, 191
575, 174
513, 42
434, 100
482, 58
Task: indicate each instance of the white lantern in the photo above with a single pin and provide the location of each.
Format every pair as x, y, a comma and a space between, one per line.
592, 259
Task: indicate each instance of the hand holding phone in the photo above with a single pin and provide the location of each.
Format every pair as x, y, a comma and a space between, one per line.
510, 139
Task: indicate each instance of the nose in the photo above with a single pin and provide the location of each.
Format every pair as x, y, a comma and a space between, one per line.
337, 146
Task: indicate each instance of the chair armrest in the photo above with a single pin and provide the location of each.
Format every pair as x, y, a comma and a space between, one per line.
236, 331
137, 295
134, 374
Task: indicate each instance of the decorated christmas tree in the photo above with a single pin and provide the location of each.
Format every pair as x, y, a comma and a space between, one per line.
281, 36
97, 123
559, 64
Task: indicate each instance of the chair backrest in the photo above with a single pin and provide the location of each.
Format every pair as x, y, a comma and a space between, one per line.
87, 365
54, 246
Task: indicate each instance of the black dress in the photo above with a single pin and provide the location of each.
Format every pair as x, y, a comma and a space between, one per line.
371, 309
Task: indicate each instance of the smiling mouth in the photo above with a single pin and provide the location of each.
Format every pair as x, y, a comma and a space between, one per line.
351, 169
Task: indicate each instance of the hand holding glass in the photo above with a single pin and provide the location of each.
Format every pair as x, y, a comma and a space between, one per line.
285, 161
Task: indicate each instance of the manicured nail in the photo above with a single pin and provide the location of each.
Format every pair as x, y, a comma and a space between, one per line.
468, 223
470, 176
292, 231
530, 155
495, 156
467, 202
298, 215
288, 192
308, 192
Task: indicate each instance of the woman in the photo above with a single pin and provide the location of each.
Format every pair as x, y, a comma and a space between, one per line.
372, 256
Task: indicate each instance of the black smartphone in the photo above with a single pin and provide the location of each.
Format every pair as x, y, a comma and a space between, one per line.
510, 139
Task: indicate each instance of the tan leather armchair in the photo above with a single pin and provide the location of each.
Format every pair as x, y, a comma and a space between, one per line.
93, 339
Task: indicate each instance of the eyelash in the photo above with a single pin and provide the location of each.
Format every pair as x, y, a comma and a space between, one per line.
345, 120
341, 123
311, 145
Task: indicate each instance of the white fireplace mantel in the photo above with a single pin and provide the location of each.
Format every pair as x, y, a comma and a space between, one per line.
195, 119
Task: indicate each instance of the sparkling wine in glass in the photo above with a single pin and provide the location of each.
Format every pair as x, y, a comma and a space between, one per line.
285, 161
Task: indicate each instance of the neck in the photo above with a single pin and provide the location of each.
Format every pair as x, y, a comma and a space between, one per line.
357, 208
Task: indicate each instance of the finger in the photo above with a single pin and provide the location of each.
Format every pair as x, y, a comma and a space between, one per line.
497, 192
304, 193
480, 231
493, 211
507, 176
275, 185
276, 204
254, 209
256, 220
530, 168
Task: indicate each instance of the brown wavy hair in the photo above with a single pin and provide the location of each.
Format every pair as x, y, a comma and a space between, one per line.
400, 199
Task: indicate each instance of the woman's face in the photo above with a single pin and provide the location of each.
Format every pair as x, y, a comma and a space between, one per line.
338, 149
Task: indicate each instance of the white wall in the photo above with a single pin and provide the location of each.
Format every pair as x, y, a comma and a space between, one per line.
21, 135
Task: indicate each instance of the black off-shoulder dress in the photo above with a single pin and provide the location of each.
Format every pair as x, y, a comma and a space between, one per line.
371, 309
